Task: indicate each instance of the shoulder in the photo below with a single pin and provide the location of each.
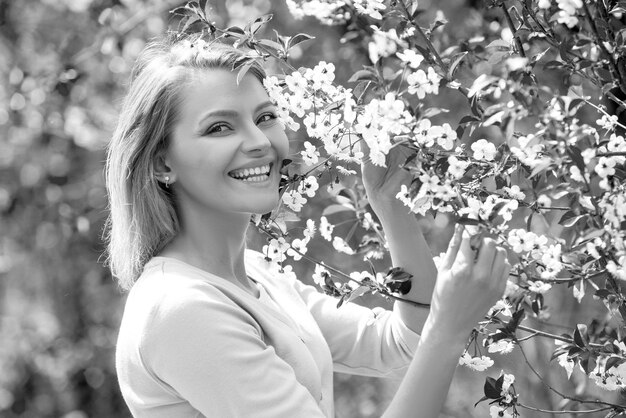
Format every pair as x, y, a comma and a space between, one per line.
170, 298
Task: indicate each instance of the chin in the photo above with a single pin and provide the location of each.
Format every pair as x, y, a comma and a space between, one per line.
264, 207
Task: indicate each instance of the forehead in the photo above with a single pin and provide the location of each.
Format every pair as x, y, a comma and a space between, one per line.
215, 89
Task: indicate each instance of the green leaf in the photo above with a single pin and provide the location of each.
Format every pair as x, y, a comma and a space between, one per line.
570, 218
359, 291
271, 44
535, 59
360, 89
468, 221
587, 362
622, 311
573, 104
577, 157
581, 337
494, 119
243, 70
500, 45
332, 209
342, 299
363, 75
298, 39
491, 389
399, 287
397, 274
454, 63
603, 293
539, 168
553, 65
434, 111
258, 23
484, 398
468, 119
235, 30
613, 362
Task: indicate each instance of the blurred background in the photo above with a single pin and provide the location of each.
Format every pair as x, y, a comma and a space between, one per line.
63, 70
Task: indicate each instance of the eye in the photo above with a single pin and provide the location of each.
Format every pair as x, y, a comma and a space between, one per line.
217, 128
266, 117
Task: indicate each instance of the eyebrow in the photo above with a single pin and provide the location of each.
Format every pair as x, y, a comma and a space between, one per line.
231, 113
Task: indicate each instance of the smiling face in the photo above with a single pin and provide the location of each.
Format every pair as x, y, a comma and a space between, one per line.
227, 146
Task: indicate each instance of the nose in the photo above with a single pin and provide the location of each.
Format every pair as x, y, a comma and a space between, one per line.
256, 141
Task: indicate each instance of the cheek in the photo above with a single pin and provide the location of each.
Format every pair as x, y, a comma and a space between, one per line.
280, 141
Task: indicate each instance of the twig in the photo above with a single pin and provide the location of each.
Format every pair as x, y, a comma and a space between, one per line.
562, 395
554, 336
611, 154
347, 277
588, 411
600, 43
509, 21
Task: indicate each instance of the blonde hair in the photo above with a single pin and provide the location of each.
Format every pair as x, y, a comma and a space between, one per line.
142, 217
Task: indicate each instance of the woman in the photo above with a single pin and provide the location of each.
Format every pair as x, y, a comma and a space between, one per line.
210, 329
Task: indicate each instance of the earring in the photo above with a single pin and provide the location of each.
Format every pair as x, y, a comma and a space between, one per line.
167, 182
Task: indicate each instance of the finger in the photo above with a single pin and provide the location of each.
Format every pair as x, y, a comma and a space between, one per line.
499, 262
502, 268
453, 246
465, 257
361, 145
504, 278
484, 262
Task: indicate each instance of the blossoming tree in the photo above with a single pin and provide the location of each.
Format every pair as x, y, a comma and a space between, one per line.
524, 163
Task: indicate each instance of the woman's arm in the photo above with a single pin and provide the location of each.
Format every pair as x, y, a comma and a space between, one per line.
407, 246
466, 288
409, 250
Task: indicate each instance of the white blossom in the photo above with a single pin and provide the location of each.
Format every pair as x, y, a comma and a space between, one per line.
456, 167
514, 192
327, 12
320, 275
479, 364
298, 248
371, 8
308, 186
502, 347
342, 246
496, 411
607, 122
326, 229
310, 155
538, 286
309, 231
411, 58
502, 306
383, 44
293, 200
276, 249
422, 83
484, 150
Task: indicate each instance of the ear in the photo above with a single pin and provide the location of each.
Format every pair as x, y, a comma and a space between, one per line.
162, 170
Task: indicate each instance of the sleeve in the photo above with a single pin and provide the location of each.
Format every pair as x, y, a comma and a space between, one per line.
212, 354
370, 342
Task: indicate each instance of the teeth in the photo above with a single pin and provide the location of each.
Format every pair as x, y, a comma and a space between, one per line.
255, 179
251, 174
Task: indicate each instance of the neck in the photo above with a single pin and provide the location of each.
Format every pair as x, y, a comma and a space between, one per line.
214, 243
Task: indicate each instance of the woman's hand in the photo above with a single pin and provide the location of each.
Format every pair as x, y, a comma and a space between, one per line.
468, 284
382, 184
